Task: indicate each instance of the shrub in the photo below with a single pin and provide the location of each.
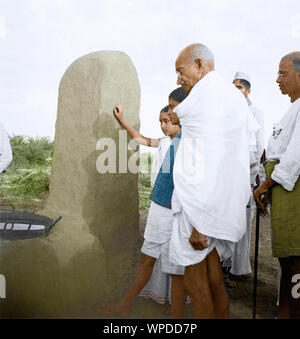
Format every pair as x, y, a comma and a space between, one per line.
29, 151
25, 184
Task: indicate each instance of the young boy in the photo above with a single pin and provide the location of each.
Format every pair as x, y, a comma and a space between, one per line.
159, 222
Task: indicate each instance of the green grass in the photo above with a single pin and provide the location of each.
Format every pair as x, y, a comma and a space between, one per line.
25, 183
27, 178
145, 162
144, 190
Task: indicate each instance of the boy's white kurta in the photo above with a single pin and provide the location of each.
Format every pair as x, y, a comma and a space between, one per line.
164, 144
211, 170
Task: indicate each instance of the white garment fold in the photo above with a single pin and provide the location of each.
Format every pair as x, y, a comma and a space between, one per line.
159, 224
284, 146
254, 147
260, 170
5, 150
164, 144
211, 169
260, 135
181, 251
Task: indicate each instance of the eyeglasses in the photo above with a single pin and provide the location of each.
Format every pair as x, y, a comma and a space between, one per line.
179, 73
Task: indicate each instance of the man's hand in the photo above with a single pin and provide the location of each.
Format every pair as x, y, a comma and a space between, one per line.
198, 240
262, 195
174, 118
257, 181
118, 112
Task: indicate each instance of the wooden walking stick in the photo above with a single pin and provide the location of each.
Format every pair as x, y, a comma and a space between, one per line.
258, 210
256, 261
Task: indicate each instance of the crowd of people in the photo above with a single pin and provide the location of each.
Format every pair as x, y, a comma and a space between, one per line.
209, 167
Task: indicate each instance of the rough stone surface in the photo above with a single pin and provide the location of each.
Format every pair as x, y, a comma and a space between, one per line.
88, 255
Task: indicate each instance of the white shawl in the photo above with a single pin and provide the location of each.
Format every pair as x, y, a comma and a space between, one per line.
211, 170
253, 129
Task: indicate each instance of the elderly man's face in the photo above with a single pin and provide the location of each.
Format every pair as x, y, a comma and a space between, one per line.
189, 72
288, 78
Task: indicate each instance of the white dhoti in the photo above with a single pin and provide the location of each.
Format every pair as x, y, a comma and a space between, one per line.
239, 263
157, 238
181, 251
158, 286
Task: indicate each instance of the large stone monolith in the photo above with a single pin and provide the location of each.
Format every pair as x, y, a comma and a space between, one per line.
88, 255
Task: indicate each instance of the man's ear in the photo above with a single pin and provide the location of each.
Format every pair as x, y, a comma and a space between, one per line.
248, 91
200, 63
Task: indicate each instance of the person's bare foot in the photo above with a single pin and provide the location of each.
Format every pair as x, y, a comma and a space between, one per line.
166, 309
115, 310
228, 282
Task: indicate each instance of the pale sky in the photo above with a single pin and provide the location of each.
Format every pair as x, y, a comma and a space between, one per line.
39, 39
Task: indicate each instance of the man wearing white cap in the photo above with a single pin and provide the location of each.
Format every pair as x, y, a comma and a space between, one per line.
242, 82
5, 150
240, 261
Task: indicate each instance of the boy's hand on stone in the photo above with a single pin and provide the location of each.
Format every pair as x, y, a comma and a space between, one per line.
118, 112
198, 240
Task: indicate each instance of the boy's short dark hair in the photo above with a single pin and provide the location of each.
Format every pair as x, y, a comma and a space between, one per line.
165, 109
178, 94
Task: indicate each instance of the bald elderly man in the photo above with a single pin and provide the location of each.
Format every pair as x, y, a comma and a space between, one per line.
211, 179
283, 169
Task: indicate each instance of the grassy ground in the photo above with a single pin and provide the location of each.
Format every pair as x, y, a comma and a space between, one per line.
27, 178
145, 180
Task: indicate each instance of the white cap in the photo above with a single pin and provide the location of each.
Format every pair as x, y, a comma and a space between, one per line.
242, 76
